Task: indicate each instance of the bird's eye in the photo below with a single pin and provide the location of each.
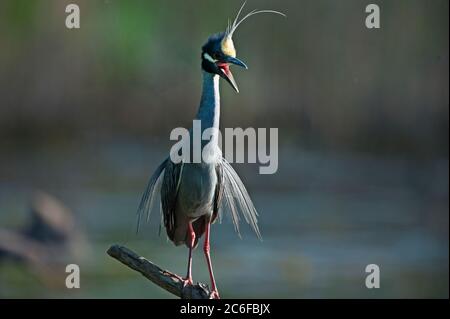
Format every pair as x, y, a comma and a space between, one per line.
216, 56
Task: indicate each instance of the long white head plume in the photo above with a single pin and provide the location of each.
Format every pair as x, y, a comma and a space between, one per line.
231, 28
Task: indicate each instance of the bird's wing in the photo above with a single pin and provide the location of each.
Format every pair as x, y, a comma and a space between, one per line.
169, 193
236, 198
151, 190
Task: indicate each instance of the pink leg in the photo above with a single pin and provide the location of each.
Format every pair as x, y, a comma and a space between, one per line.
206, 249
191, 239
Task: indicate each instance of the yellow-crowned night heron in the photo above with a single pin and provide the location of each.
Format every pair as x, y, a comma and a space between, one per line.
192, 193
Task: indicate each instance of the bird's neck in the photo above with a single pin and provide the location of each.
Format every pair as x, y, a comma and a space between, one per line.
209, 110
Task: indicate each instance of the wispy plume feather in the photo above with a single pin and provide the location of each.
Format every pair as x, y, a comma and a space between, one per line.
237, 200
231, 29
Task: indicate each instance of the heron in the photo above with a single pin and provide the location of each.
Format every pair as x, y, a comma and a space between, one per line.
193, 195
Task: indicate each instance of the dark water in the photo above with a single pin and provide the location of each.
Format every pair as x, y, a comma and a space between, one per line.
323, 216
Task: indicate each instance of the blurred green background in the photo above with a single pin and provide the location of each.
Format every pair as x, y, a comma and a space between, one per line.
85, 116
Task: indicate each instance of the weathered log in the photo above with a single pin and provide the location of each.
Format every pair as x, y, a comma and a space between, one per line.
163, 278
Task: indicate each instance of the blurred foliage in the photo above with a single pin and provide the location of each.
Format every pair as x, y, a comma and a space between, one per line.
320, 76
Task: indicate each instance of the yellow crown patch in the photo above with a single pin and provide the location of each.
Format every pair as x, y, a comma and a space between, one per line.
228, 47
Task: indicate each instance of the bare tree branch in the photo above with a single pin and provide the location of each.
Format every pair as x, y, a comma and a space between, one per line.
163, 278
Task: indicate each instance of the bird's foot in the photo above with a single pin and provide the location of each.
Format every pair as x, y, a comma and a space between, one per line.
214, 294
185, 281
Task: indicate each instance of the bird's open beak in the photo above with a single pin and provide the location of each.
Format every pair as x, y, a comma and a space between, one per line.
224, 67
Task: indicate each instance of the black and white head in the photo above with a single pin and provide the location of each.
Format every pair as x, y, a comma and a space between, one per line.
219, 51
